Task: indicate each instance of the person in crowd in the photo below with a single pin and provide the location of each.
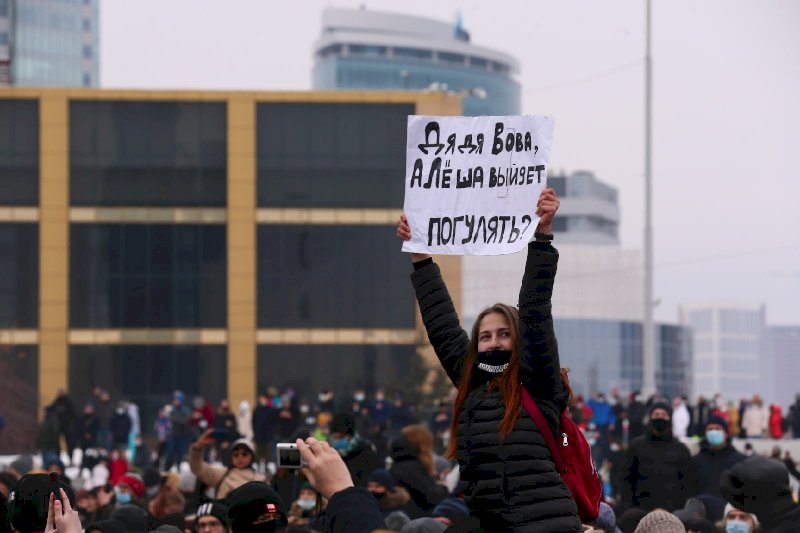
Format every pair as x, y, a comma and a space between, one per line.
287, 419
700, 414
264, 418
380, 409
168, 501
211, 517
7, 482
402, 415
135, 431
65, 413
104, 408
202, 416
391, 497
120, 426
221, 479
660, 521
440, 425
179, 431
716, 455
681, 418
604, 421
86, 427
738, 521
129, 489
358, 453
224, 430
776, 430
794, 417
244, 420
734, 426
30, 500
162, 429
509, 477
133, 517
450, 511
755, 421
659, 471
327, 402
47, 436
413, 469
306, 507
760, 485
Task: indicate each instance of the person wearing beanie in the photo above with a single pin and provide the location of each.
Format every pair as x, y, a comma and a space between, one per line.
133, 517
606, 520
255, 506
390, 497
423, 525
660, 521
413, 469
359, 454
224, 480
106, 526
212, 516
716, 455
629, 519
738, 521
658, 468
129, 489
307, 505
29, 502
760, 486
450, 511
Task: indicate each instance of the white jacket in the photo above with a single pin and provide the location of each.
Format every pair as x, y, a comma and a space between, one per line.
680, 421
756, 420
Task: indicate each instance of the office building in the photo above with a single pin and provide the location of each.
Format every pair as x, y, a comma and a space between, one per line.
212, 242
365, 49
49, 43
780, 383
728, 347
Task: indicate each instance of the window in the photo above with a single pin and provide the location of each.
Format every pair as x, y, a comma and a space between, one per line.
339, 367
19, 275
500, 67
148, 375
87, 52
363, 50
478, 62
3, 8
19, 391
331, 155
331, 277
19, 152
148, 276
449, 57
3, 37
148, 154
87, 24
413, 53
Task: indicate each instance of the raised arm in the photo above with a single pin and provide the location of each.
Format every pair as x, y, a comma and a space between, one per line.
541, 369
448, 338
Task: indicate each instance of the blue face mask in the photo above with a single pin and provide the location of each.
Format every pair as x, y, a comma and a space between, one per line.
737, 526
340, 444
306, 504
122, 497
715, 437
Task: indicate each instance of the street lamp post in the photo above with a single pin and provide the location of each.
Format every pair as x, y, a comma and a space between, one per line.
648, 340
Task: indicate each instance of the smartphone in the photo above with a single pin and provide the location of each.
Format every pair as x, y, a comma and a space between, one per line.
220, 434
289, 456
55, 486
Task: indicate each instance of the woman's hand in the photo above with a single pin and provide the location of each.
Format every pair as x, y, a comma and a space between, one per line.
404, 234
204, 440
546, 208
62, 518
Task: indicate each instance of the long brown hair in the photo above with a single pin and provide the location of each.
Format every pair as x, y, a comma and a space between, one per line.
508, 383
421, 440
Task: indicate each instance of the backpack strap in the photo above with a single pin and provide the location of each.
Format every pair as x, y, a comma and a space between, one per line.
544, 429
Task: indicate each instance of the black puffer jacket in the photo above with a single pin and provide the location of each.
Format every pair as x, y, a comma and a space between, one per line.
409, 473
709, 465
658, 473
511, 485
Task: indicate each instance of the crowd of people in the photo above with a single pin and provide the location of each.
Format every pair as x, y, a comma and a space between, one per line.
481, 462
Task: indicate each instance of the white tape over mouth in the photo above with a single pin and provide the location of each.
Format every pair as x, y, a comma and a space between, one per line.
494, 369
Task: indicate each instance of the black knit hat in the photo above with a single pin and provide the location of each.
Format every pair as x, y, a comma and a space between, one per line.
714, 419
343, 423
251, 500
758, 485
217, 510
29, 501
661, 405
133, 517
382, 477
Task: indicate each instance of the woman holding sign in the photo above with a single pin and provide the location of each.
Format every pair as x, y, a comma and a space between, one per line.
511, 481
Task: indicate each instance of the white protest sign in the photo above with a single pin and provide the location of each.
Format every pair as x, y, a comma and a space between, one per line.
472, 183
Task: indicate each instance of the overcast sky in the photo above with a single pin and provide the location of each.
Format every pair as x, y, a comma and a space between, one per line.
726, 110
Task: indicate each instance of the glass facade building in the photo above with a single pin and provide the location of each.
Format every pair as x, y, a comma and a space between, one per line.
49, 43
364, 49
214, 243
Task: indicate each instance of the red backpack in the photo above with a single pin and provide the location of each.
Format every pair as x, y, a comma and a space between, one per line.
573, 460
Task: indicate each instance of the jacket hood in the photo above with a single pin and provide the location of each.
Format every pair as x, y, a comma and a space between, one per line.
402, 450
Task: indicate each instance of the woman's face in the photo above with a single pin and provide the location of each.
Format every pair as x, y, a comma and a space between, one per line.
494, 333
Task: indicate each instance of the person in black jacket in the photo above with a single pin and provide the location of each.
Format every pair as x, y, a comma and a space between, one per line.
716, 455
358, 453
413, 469
658, 467
510, 480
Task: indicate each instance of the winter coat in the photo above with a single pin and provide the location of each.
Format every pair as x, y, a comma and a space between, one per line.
65, 413
658, 473
219, 477
511, 485
352, 510
86, 430
603, 414
120, 426
755, 421
263, 423
709, 465
409, 473
681, 419
776, 422
361, 459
